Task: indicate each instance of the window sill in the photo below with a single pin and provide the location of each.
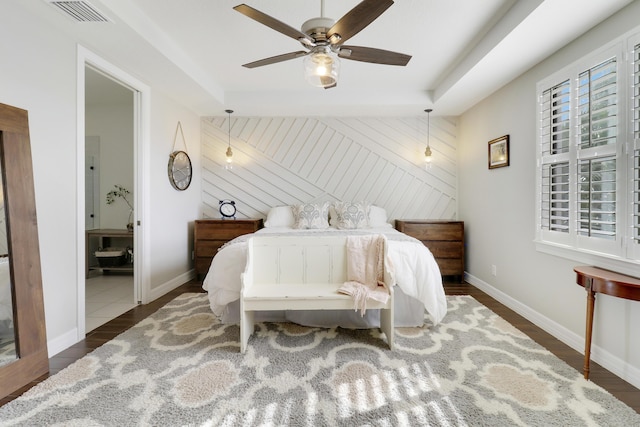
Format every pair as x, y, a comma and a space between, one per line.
609, 262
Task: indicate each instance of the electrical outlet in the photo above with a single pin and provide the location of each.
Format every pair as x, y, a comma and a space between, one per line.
494, 270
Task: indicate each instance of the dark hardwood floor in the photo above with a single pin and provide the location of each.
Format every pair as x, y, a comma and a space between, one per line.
616, 386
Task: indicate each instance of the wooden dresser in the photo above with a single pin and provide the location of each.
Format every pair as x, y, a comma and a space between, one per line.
210, 234
445, 240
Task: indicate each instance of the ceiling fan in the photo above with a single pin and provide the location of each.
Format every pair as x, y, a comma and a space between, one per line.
324, 38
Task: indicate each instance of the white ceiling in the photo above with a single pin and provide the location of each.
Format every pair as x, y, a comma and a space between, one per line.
462, 50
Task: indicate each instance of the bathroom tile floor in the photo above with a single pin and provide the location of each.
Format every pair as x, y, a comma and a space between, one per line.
107, 297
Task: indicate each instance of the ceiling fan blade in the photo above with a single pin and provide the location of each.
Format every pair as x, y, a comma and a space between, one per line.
276, 59
377, 56
274, 24
356, 19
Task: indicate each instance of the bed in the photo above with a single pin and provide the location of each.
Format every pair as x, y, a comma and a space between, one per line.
418, 283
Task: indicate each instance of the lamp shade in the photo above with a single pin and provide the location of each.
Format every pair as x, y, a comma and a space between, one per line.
229, 158
321, 67
427, 155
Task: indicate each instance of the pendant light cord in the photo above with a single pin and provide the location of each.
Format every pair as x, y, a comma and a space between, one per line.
229, 133
428, 111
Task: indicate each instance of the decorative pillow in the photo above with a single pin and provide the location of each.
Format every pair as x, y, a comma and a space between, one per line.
333, 214
311, 215
378, 217
352, 215
280, 216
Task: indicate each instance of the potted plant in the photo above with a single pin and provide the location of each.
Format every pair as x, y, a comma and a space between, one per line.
121, 192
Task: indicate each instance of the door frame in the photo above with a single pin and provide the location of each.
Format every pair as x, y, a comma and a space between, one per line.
141, 155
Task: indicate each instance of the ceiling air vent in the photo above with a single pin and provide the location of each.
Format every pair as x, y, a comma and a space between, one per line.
80, 11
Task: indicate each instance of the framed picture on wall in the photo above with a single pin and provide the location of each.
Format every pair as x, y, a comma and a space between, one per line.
499, 152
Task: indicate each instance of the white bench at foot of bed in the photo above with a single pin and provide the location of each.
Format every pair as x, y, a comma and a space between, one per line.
294, 273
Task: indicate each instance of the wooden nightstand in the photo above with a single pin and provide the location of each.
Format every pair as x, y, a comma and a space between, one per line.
210, 234
445, 240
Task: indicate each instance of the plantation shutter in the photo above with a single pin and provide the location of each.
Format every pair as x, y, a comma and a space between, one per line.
597, 164
635, 190
597, 198
556, 127
556, 138
636, 195
588, 156
555, 197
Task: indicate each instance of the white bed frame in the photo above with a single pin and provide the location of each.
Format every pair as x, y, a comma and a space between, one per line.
290, 273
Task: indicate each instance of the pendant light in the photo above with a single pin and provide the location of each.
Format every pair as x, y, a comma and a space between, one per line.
427, 151
229, 154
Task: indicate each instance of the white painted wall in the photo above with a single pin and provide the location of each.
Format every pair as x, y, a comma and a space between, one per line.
285, 161
498, 207
39, 75
114, 125
172, 212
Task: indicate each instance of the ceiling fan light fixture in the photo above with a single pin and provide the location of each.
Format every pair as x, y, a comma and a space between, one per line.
322, 67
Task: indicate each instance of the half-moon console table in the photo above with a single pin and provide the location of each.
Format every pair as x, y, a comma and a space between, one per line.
594, 280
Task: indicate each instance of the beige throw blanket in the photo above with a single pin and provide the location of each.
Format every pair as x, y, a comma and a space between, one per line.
365, 270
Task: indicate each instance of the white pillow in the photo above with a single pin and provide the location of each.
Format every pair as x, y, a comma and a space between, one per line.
280, 216
378, 217
351, 215
311, 215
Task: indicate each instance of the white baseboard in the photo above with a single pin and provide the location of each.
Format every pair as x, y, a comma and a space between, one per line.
617, 366
69, 338
166, 287
63, 342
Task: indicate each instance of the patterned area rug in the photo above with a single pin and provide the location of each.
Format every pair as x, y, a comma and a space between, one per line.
181, 367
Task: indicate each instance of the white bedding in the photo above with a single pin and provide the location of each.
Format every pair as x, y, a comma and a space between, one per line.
416, 272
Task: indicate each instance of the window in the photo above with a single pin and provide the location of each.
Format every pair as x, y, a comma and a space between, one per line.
555, 143
635, 191
589, 157
635, 167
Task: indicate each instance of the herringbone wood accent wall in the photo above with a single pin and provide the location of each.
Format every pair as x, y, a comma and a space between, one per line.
284, 161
